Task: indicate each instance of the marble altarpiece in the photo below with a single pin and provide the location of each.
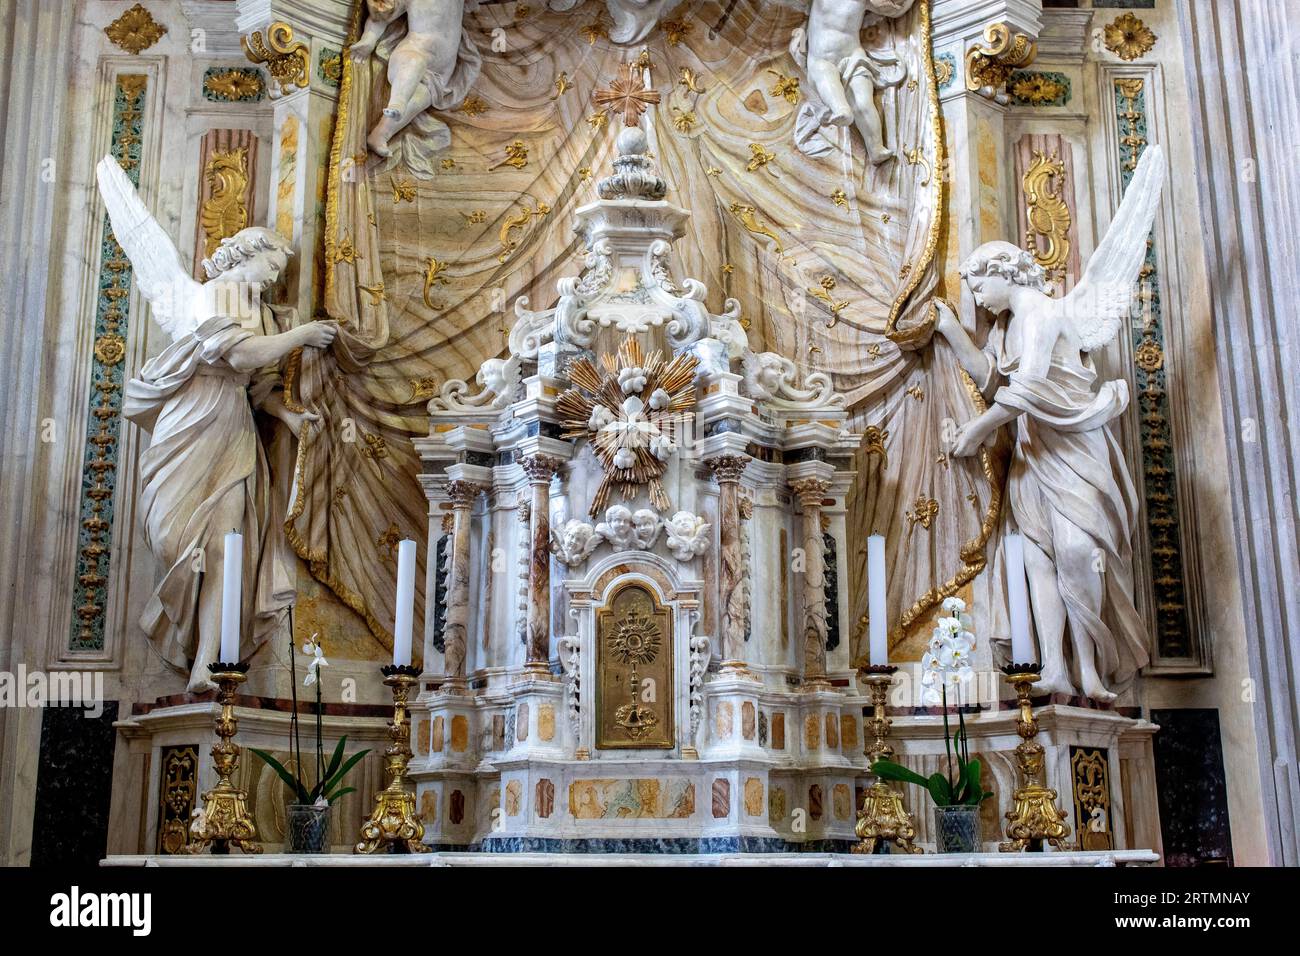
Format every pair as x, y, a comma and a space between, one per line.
747, 226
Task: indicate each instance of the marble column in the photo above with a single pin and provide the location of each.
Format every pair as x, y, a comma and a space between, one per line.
727, 470
463, 494
1245, 118
811, 492
540, 469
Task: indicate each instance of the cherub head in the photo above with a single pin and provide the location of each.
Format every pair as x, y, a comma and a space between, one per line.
763, 374
255, 255
619, 520
995, 269
577, 536
647, 526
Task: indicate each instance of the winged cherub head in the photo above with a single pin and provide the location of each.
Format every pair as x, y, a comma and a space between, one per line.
994, 270
255, 255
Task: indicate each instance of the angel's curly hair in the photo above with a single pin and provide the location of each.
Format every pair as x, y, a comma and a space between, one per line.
1006, 261
242, 246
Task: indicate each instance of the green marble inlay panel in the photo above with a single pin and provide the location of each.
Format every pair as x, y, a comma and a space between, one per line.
329, 67
99, 459
1160, 485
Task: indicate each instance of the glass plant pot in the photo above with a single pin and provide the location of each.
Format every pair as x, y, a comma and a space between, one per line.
957, 829
309, 828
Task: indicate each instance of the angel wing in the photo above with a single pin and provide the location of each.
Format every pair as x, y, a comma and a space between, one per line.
155, 262
1101, 301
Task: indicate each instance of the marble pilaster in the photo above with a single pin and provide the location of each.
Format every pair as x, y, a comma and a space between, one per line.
727, 470
463, 494
540, 469
811, 492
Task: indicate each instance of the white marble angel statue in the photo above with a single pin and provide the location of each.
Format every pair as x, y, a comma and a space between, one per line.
205, 471
432, 62
1069, 489
844, 76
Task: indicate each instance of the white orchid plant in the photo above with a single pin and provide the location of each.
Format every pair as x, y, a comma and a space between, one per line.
946, 664
329, 775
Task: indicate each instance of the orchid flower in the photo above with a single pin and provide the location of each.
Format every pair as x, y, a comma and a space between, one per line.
313, 647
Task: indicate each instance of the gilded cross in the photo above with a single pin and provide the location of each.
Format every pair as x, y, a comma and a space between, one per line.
628, 94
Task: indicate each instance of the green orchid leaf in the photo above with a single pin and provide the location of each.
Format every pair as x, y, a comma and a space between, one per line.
940, 790
889, 770
974, 791
336, 758
289, 779
342, 772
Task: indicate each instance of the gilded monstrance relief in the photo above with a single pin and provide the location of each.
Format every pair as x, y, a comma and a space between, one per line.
816, 206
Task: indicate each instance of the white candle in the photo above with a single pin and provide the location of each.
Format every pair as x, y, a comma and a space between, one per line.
405, 613
232, 587
876, 612
1022, 644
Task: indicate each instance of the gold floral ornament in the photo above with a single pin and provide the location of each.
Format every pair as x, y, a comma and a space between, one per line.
786, 87
1149, 356
135, 30
1129, 38
629, 409
1037, 88
683, 120
628, 95
225, 211
110, 349
923, 512
758, 157
234, 84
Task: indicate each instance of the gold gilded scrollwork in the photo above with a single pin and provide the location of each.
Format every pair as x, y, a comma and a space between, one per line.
287, 61
1048, 213
988, 67
225, 211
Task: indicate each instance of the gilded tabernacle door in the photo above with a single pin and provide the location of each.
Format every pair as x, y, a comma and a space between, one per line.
634, 671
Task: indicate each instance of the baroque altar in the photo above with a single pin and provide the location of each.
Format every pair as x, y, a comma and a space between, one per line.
629, 463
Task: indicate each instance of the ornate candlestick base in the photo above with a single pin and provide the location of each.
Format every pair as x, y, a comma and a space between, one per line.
1033, 818
223, 820
394, 826
882, 819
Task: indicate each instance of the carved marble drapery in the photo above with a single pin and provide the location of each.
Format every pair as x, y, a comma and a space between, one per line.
540, 469
463, 494
811, 492
775, 234
727, 470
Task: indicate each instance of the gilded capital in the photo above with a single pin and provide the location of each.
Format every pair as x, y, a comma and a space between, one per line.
810, 491
727, 468
463, 493
540, 468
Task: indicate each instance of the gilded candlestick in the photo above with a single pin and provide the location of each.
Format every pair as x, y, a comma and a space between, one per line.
394, 825
1034, 816
223, 820
882, 818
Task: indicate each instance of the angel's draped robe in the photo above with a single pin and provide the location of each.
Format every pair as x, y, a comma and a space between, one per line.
205, 455
1069, 483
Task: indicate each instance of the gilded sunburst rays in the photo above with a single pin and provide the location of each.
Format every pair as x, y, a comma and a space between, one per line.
631, 408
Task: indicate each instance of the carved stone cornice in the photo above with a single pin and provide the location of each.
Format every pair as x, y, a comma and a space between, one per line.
727, 468
540, 469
